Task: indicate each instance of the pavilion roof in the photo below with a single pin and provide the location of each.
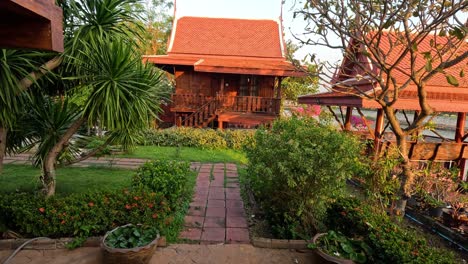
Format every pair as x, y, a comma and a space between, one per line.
442, 96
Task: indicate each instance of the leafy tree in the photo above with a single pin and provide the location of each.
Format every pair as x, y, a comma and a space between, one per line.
14, 65
103, 81
363, 28
157, 24
296, 86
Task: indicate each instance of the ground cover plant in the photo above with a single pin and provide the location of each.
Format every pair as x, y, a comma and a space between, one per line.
295, 170
198, 138
390, 241
89, 212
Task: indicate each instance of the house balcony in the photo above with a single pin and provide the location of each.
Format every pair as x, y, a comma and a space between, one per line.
242, 104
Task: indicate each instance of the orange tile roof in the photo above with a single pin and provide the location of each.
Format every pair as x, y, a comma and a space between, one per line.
441, 95
227, 36
225, 45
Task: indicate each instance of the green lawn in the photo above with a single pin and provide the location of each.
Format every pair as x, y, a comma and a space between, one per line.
187, 154
69, 180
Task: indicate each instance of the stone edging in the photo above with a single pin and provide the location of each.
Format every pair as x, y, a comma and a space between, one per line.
59, 243
279, 243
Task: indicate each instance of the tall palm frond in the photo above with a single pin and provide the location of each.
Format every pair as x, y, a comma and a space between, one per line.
14, 65
125, 93
42, 125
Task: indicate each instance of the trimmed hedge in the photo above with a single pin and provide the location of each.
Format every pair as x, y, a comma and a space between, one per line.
391, 242
168, 178
199, 138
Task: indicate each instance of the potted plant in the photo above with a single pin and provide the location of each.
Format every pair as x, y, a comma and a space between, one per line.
335, 247
130, 244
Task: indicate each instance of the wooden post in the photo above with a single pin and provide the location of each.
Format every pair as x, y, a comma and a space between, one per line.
349, 113
220, 124
278, 93
459, 132
379, 124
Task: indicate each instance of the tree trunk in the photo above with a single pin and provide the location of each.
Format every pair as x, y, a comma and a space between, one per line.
407, 178
3, 135
32, 77
48, 165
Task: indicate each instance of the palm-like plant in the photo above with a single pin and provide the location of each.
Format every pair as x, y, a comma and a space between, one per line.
102, 76
14, 65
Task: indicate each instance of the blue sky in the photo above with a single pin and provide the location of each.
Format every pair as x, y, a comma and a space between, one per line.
255, 9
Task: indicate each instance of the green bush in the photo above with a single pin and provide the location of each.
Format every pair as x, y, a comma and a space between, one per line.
391, 242
295, 169
82, 215
196, 137
165, 177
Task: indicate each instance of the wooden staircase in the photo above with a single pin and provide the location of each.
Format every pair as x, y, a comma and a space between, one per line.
202, 116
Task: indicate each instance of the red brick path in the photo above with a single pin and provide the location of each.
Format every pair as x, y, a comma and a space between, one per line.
216, 214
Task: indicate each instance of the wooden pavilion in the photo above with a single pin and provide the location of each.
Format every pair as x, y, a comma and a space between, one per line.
442, 97
31, 24
228, 72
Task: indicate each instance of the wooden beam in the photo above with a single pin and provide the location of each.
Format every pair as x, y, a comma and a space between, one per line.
459, 135
280, 80
31, 25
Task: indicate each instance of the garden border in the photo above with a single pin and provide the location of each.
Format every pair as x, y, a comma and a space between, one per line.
262, 242
59, 243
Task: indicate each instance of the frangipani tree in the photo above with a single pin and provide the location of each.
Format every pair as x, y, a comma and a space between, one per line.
391, 47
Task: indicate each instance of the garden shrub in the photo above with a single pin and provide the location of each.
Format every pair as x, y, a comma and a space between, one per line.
165, 177
196, 137
82, 215
295, 169
391, 242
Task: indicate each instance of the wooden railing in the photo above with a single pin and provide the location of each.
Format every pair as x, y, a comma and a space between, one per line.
202, 116
440, 151
251, 104
190, 101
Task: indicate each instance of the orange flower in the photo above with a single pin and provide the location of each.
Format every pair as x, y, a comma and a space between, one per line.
42, 210
150, 205
155, 216
63, 222
134, 204
90, 204
136, 198
128, 206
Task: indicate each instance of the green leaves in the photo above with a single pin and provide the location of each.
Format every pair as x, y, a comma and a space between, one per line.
337, 244
452, 80
131, 236
166, 177
295, 169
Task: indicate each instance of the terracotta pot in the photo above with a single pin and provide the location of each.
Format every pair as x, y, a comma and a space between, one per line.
326, 258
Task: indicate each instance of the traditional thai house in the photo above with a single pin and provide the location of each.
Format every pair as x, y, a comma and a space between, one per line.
227, 72
350, 85
31, 24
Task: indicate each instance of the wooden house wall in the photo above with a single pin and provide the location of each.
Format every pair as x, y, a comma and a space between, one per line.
208, 84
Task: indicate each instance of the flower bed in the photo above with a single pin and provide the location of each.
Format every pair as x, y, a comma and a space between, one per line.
93, 213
